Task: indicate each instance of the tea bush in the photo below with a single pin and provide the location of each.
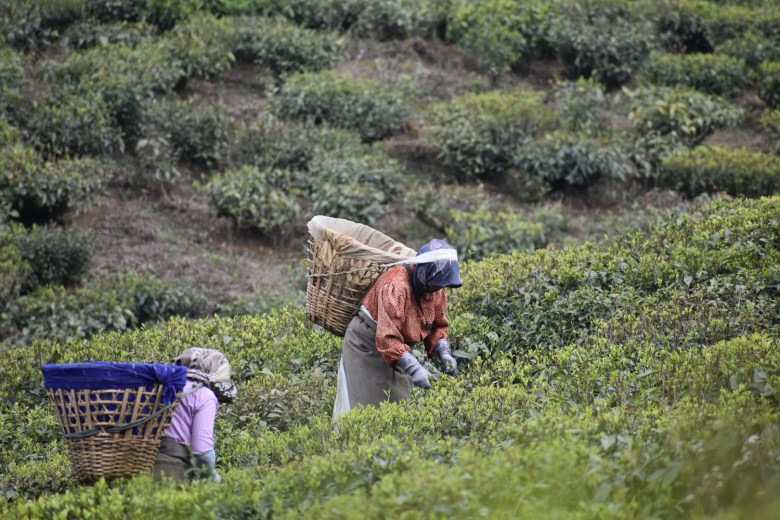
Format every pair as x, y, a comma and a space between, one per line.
682, 30
201, 47
725, 22
196, 131
478, 134
770, 121
769, 86
365, 107
661, 401
714, 169
563, 159
477, 235
40, 191
711, 73
55, 256
86, 35
387, 19
12, 78
600, 43
752, 47
688, 115
255, 198
35, 24
284, 47
69, 123
582, 106
108, 304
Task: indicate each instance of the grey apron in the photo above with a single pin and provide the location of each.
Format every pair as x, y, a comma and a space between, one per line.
364, 378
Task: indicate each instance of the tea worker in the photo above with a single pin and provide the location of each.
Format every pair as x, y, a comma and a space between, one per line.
187, 447
406, 305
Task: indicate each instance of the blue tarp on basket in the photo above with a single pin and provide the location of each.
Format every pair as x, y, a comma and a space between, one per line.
100, 375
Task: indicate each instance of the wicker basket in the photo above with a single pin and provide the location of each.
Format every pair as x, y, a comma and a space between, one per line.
112, 433
345, 259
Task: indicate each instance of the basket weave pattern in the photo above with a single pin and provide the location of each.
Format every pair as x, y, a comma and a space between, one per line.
104, 454
332, 301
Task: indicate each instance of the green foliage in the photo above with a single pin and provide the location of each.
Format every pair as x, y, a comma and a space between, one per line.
734, 171
126, 78
563, 159
769, 86
55, 256
11, 80
107, 11
752, 47
600, 43
682, 30
13, 271
104, 305
498, 32
86, 35
365, 107
255, 198
479, 234
770, 121
478, 134
67, 123
711, 73
201, 47
196, 131
284, 47
582, 105
688, 115
725, 22
34, 24
38, 191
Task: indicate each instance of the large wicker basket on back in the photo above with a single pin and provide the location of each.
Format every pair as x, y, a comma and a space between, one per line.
113, 432
345, 259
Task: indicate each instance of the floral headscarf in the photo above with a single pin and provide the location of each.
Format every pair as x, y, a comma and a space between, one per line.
210, 367
442, 273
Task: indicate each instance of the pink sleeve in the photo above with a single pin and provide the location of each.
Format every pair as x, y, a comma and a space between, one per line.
204, 414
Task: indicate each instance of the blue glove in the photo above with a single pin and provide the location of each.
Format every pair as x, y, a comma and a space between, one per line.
448, 363
206, 465
419, 374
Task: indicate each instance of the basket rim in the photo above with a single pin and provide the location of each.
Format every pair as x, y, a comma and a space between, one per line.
319, 225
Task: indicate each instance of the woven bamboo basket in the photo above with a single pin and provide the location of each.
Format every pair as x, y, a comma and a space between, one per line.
112, 433
345, 259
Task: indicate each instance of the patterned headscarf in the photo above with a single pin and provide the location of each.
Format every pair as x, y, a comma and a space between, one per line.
210, 367
442, 273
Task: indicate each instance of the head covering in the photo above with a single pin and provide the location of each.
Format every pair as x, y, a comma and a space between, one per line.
210, 367
438, 266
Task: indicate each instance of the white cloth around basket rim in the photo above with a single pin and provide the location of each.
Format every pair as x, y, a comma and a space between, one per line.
429, 257
357, 240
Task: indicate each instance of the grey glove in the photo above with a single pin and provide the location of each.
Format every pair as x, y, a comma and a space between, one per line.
448, 363
206, 465
419, 374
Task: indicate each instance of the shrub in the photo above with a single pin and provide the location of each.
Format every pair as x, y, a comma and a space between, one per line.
498, 32
115, 10
120, 303
682, 30
39, 192
69, 123
86, 35
769, 87
477, 134
600, 44
562, 159
12, 78
195, 131
13, 270
54, 255
752, 47
201, 48
284, 47
770, 121
734, 171
387, 19
689, 115
371, 110
255, 198
274, 144
711, 73
126, 79
354, 188
166, 14
582, 105
479, 234
729, 21
29, 24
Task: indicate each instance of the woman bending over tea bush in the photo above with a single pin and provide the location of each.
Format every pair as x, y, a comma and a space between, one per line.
187, 448
406, 305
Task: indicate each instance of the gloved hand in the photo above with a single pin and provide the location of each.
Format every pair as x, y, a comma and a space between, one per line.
206, 465
419, 374
448, 363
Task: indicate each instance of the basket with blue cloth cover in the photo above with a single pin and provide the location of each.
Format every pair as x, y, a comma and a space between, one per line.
113, 415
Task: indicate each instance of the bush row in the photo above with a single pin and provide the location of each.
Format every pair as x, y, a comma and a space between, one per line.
644, 369
710, 73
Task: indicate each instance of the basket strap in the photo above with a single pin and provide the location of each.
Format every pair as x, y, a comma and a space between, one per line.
132, 424
430, 256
